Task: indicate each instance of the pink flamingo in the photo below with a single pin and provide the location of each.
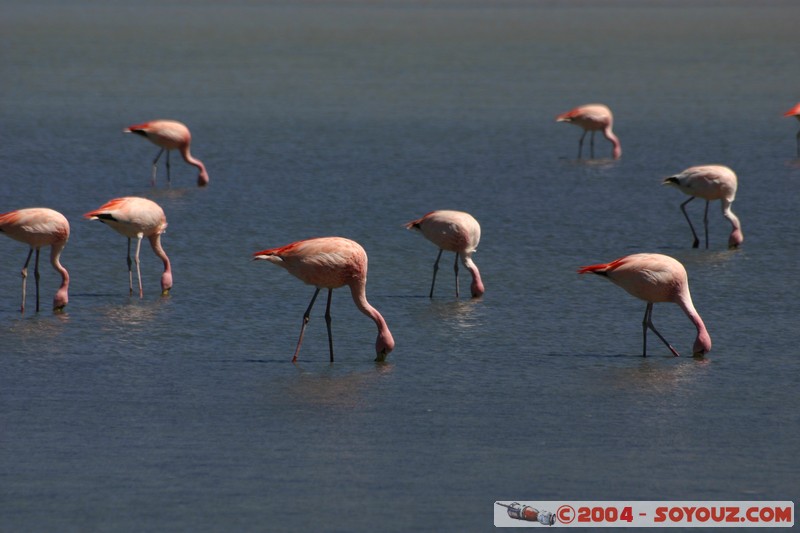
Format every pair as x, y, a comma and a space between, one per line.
37, 227
454, 231
136, 217
170, 135
710, 182
795, 112
655, 278
593, 117
330, 263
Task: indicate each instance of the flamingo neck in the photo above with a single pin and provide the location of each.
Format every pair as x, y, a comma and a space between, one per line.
62, 295
202, 177
609, 134
702, 343
166, 277
736, 238
385, 342
477, 287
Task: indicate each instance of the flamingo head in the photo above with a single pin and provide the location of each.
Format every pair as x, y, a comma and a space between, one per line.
477, 288
383, 345
60, 300
702, 344
166, 283
736, 238
202, 178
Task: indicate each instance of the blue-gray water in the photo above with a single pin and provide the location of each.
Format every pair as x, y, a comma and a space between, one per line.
351, 118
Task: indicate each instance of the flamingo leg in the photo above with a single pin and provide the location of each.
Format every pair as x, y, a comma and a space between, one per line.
155, 165
36, 277
328, 323
169, 178
25, 279
455, 268
798, 143
591, 145
647, 322
435, 269
696, 242
580, 143
130, 272
306, 318
705, 222
138, 269
647, 311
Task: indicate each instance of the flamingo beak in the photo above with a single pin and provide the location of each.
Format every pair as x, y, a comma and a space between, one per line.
381, 356
165, 292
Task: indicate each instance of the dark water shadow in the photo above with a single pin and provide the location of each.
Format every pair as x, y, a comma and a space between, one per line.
332, 385
601, 162
93, 295
42, 324
315, 366
593, 355
165, 192
793, 163
640, 357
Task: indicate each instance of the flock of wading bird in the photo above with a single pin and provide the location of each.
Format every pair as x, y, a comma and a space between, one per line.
332, 262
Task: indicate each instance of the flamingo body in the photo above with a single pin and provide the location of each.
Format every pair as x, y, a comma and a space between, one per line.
136, 218
170, 135
593, 118
795, 112
710, 182
38, 227
330, 263
655, 278
454, 231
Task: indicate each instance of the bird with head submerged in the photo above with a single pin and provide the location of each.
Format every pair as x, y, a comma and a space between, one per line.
593, 118
710, 182
136, 218
170, 135
454, 231
37, 227
655, 278
330, 263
